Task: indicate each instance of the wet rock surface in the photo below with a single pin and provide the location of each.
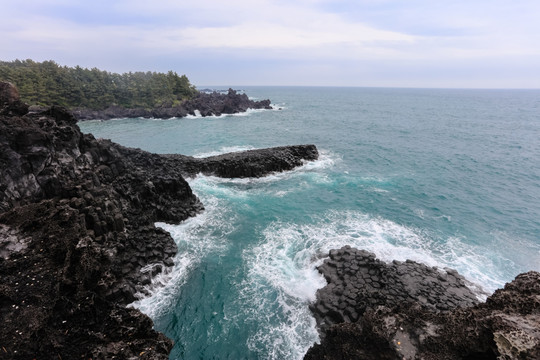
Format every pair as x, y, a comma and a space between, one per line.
206, 104
77, 238
405, 310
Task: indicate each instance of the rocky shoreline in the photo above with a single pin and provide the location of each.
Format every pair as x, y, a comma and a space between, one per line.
205, 104
77, 232
77, 237
406, 310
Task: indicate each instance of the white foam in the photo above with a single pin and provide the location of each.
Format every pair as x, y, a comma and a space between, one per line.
197, 115
248, 112
326, 160
281, 282
224, 150
196, 238
278, 107
282, 278
392, 241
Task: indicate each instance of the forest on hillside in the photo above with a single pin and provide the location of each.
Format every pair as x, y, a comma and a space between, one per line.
47, 83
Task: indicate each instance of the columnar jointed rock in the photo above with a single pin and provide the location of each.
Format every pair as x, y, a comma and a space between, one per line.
391, 326
357, 281
76, 235
78, 225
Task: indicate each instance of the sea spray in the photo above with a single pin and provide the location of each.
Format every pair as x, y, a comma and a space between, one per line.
195, 237
281, 281
459, 189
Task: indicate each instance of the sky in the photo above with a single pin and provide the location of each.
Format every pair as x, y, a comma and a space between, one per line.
367, 43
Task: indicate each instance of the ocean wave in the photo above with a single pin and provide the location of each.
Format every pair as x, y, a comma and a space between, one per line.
225, 150
196, 237
248, 112
280, 283
282, 278
392, 241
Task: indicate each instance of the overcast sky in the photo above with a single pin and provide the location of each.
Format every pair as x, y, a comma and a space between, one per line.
401, 43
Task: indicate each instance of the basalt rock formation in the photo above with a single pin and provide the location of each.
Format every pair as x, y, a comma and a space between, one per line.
358, 281
406, 310
77, 237
251, 163
206, 104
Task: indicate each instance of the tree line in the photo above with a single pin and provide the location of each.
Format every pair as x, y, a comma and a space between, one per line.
47, 83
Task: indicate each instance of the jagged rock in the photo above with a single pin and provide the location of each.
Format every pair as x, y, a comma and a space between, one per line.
77, 227
8, 93
207, 104
250, 163
506, 326
357, 281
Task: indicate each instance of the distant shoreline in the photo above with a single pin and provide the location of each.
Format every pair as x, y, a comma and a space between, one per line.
204, 104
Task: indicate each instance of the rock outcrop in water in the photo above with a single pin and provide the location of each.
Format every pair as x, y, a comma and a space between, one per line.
77, 235
206, 104
406, 310
251, 163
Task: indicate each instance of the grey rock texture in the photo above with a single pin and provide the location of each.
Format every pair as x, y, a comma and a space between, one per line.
417, 312
76, 229
358, 281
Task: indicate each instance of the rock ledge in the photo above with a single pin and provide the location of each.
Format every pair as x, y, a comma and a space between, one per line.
406, 310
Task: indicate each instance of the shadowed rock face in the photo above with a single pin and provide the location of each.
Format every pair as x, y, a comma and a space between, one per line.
8, 93
76, 235
10, 103
206, 104
374, 310
77, 220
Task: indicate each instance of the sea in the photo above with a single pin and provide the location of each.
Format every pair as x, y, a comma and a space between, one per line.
446, 177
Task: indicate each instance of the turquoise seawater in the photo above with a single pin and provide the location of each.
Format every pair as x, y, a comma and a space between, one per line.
450, 178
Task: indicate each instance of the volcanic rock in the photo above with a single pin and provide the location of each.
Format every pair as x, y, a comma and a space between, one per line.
206, 104
358, 281
250, 163
10, 103
408, 315
77, 232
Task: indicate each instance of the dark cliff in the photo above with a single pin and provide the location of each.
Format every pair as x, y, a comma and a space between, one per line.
76, 228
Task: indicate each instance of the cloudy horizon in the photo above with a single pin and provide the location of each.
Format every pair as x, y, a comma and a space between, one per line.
381, 43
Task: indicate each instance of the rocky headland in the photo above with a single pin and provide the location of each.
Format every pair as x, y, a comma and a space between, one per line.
77, 234
406, 310
205, 104
78, 241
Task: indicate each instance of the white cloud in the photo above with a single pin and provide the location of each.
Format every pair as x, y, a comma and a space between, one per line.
277, 36
309, 31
